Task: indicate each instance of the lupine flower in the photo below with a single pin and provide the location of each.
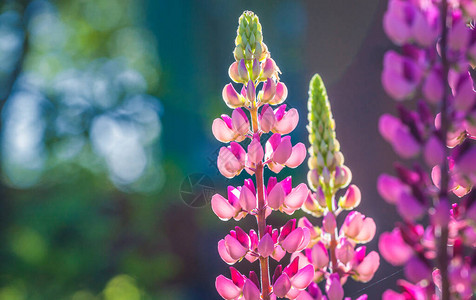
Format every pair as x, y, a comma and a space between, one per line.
290, 281
226, 129
231, 160
358, 227
227, 208
282, 196
331, 251
253, 65
280, 153
437, 52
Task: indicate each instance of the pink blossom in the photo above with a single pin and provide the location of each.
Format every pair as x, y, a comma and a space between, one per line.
334, 288
267, 119
280, 153
393, 248
286, 121
231, 160
345, 251
364, 266
224, 208
292, 280
358, 227
268, 91
293, 239
226, 129
351, 199
280, 95
269, 68
401, 75
318, 255
231, 97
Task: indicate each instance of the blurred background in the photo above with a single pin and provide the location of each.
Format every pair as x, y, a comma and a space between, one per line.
107, 157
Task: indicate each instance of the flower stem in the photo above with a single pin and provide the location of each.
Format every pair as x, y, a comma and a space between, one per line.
442, 259
333, 244
261, 215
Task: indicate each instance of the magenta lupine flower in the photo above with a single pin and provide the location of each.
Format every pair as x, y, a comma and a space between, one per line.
438, 50
253, 65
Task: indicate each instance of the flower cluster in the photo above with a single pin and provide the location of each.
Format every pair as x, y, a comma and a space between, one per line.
333, 252
253, 116
438, 48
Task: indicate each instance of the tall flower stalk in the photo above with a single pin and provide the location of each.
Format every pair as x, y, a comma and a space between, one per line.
252, 117
332, 251
438, 48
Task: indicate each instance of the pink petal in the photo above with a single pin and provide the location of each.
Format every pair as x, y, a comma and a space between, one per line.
234, 247
225, 256
250, 291
433, 87
222, 208
267, 118
269, 68
367, 231
387, 126
227, 163
345, 251
282, 285
276, 197
351, 198
318, 255
272, 144
409, 207
434, 152
231, 97
269, 90
334, 288
243, 71
353, 224
238, 152
458, 36
221, 131
366, 269
393, 248
226, 288
390, 188
303, 277
281, 94
282, 153
423, 33
240, 121
266, 245
297, 197
297, 156
405, 144
247, 199
288, 122
395, 27
329, 223
292, 241
278, 253
395, 85
392, 295
255, 151
233, 73
305, 240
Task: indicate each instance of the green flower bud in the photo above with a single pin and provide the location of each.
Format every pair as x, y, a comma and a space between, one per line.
324, 151
250, 38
